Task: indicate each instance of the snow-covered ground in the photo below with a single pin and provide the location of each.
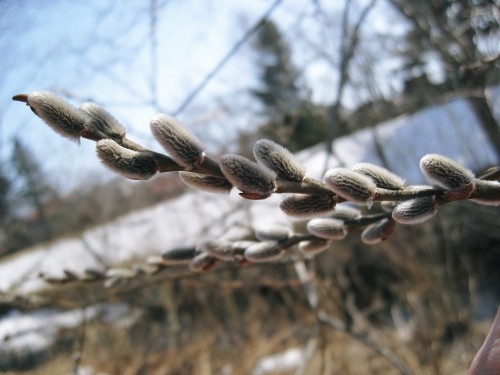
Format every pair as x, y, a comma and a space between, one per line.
451, 129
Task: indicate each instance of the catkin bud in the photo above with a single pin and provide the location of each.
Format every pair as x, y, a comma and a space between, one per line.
239, 247
377, 232
266, 251
136, 165
414, 211
184, 148
202, 262
327, 228
102, 124
278, 159
346, 212
351, 185
279, 234
254, 181
61, 116
488, 199
218, 249
445, 172
314, 246
382, 177
123, 273
178, 255
307, 205
207, 183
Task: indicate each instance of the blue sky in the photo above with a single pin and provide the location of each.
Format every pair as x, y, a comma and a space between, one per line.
101, 50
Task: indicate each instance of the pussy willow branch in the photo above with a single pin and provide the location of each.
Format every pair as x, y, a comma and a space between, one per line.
275, 172
210, 167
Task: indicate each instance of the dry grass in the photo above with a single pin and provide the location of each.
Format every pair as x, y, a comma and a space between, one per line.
225, 321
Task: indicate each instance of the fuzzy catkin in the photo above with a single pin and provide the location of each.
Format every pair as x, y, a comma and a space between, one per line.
184, 148
278, 159
265, 251
415, 211
61, 116
101, 123
445, 172
382, 177
327, 228
487, 201
379, 231
136, 165
202, 262
218, 249
247, 176
208, 183
314, 246
279, 234
351, 185
307, 205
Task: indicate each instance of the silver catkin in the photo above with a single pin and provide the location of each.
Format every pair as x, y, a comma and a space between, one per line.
307, 205
415, 211
314, 246
61, 116
247, 176
219, 249
102, 124
445, 172
278, 159
382, 177
327, 228
346, 212
202, 262
379, 231
184, 148
265, 251
485, 200
208, 183
279, 234
351, 185
136, 165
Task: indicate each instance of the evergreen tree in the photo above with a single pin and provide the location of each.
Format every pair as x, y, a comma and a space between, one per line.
34, 191
292, 120
4, 198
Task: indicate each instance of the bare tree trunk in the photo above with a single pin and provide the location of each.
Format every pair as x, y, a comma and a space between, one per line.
489, 124
349, 42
